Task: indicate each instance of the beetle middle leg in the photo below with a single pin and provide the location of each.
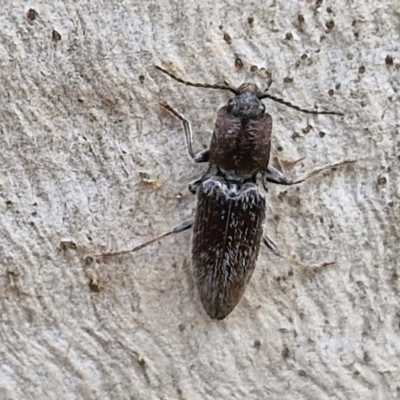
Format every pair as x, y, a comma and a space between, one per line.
275, 176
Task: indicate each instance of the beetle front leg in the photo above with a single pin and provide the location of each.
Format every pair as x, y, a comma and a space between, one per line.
201, 157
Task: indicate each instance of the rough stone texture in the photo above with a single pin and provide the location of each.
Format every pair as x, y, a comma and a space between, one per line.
87, 154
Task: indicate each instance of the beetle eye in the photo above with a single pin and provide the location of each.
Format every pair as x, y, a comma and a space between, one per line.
229, 107
262, 106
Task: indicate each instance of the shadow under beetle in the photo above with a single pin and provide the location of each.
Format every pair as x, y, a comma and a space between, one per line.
231, 196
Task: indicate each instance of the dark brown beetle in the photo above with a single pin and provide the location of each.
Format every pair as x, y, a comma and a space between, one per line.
231, 196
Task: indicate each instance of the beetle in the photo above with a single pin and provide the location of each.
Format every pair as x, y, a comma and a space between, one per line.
231, 196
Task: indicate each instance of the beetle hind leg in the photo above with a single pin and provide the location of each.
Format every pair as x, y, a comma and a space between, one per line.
272, 246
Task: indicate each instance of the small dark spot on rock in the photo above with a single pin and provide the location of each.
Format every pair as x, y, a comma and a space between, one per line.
389, 60
89, 260
288, 36
141, 79
382, 180
330, 24
55, 36
287, 80
253, 68
227, 38
94, 285
31, 15
337, 86
257, 344
366, 358
142, 362
250, 21
331, 92
239, 63
361, 70
285, 352
321, 134
295, 135
66, 244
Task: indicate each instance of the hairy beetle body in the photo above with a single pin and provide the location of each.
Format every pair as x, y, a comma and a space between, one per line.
226, 240
231, 195
230, 210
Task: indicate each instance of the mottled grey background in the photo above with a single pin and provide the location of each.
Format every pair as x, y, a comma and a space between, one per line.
88, 155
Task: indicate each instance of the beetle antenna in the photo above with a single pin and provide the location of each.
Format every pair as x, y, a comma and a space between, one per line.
202, 85
286, 103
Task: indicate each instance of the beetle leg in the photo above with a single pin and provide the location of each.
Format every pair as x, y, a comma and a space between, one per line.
271, 245
275, 176
203, 156
179, 228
